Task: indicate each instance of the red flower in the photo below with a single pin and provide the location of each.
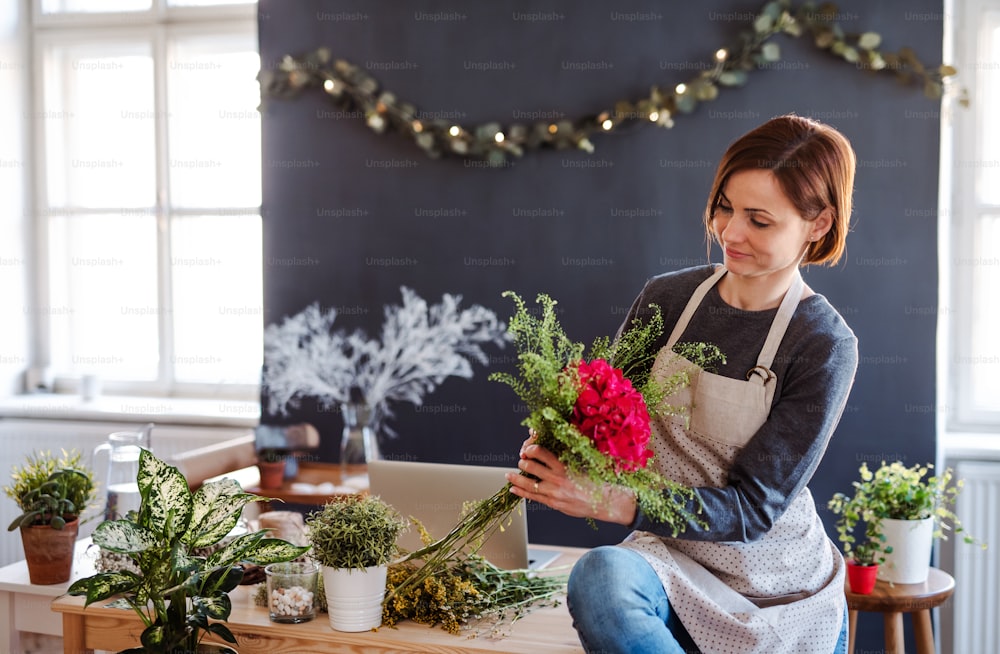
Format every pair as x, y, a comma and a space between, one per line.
613, 414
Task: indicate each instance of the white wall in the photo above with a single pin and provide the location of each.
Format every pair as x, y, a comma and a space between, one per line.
15, 126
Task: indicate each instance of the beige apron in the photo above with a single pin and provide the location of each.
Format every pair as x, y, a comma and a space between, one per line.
782, 593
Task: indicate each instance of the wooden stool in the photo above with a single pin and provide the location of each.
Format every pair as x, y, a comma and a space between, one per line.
892, 601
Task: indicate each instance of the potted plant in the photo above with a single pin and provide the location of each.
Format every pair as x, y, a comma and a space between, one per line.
180, 595
863, 558
353, 540
271, 464
52, 493
912, 508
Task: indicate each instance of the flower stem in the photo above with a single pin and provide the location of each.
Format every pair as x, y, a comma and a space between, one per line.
470, 532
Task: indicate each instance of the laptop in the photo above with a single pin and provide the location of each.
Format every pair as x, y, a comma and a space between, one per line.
435, 493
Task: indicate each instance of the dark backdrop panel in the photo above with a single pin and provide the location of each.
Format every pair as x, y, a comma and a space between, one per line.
350, 216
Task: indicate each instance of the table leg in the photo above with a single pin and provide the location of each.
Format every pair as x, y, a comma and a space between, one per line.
923, 632
9, 636
893, 633
73, 635
852, 629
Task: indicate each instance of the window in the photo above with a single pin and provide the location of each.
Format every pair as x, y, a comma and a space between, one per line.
148, 195
971, 220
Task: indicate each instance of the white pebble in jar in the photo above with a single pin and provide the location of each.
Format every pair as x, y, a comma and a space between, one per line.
291, 591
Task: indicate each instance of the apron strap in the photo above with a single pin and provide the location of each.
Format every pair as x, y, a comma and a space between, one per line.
692, 305
760, 373
780, 322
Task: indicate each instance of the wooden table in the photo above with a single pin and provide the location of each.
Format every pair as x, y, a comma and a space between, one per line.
893, 600
24, 606
543, 631
314, 473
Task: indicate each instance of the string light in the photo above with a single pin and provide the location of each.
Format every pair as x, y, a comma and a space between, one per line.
352, 87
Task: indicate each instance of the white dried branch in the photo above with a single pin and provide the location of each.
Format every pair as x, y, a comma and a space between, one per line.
420, 347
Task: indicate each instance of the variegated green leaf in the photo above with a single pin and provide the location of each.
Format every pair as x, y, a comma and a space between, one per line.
217, 607
274, 550
104, 585
217, 506
124, 536
235, 550
166, 498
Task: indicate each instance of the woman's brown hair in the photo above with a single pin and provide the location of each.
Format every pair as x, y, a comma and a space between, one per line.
814, 165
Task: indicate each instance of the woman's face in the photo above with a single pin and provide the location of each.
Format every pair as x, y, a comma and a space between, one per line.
760, 230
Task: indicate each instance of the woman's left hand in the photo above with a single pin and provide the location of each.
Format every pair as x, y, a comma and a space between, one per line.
551, 485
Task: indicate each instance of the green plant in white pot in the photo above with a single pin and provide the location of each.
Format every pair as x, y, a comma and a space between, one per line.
354, 540
912, 508
180, 596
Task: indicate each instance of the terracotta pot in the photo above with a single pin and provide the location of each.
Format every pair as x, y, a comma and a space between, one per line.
861, 578
49, 552
272, 473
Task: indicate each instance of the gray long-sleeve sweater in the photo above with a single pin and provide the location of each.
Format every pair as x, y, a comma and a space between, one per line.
815, 366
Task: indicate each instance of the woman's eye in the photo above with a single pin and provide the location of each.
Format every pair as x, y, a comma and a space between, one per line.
757, 223
723, 208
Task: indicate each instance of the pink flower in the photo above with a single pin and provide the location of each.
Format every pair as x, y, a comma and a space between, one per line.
613, 414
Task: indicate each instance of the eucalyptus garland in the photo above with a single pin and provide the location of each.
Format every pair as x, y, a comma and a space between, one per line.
354, 90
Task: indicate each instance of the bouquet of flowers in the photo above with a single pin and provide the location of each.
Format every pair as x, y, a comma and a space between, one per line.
593, 412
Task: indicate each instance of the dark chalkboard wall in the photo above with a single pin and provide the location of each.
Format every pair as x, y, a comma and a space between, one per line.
350, 216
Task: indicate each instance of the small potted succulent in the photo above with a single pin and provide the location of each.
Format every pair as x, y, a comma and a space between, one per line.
52, 493
907, 508
180, 594
354, 540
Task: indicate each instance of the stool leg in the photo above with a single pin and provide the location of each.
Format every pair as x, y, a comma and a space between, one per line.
893, 633
923, 632
852, 629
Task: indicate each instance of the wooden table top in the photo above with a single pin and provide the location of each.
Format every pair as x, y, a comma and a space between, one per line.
546, 630
904, 598
308, 485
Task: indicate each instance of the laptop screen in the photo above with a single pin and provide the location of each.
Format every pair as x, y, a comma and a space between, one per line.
435, 494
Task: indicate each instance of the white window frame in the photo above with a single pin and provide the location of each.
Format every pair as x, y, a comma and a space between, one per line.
959, 212
85, 26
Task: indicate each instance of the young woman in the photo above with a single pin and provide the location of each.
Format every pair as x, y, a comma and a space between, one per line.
764, 576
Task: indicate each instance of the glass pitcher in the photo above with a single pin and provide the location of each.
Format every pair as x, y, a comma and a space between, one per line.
119, 460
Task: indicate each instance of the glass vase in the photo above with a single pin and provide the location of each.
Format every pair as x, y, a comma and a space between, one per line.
359, 443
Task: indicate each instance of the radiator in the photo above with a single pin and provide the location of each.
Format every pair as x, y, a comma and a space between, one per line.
977, 572
19, 437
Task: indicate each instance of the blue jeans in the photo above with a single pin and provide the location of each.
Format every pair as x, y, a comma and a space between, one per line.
618, 605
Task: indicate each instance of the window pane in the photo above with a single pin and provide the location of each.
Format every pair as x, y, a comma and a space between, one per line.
90, 6
988, 90
103, 307
99, 125
217, 289
984, 361
214, 130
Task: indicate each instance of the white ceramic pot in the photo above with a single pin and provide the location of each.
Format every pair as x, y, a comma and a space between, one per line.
354, 597
911, 542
